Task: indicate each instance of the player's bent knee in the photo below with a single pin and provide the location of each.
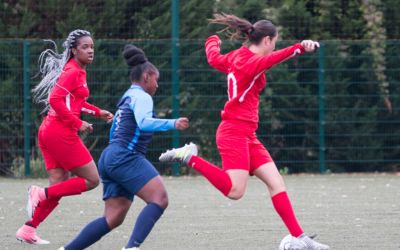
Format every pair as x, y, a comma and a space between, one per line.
235, 194
161, 201
164, 203
116, 219
93, 183
96, 182
115, 222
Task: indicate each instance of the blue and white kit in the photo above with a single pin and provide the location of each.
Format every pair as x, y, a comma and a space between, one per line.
123, 168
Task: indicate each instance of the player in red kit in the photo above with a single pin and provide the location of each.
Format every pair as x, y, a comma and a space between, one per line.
241, 152
64, 91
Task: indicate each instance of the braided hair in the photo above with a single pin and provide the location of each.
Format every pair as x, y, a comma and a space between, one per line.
51, 64
137, 62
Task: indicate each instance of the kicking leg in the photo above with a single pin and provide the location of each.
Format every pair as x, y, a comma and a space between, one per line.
231, 183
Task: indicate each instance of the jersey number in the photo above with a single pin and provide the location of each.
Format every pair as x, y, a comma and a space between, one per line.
232, 86
117, 119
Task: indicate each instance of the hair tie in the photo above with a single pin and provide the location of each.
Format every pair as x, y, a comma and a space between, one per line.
251, 29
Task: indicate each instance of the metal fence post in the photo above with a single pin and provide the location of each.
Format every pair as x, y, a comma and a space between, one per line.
27, 107
175, 75
321, 101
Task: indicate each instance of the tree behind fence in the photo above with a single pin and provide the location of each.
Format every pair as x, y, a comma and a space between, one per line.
360, 134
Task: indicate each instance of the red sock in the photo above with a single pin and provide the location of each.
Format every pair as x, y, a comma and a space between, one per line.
69, 187
218, 177
42, 211
284, 208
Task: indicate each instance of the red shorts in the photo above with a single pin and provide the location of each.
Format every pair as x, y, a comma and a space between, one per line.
61, 146
239, 147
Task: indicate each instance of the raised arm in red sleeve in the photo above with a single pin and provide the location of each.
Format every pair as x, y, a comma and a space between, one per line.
214, 57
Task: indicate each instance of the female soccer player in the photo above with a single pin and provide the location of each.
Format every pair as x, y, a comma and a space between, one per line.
64, 91
241, 152
124, 169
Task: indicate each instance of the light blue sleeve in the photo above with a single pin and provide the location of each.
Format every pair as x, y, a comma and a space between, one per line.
142, 106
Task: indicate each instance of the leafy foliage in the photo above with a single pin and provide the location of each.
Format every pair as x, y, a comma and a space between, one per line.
360, 133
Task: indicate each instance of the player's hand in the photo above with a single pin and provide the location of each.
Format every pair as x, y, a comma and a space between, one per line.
309, 45
215, 38
106, 115
182, 123
86, 127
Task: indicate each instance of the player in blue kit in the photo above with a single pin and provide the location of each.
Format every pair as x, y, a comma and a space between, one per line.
125, 172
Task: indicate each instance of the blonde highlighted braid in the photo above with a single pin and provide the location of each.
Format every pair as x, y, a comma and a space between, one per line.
51, 64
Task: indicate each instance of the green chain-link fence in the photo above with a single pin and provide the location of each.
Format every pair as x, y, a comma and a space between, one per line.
323, 111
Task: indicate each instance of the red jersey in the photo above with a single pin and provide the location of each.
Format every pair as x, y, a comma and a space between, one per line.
246, 76
68, 97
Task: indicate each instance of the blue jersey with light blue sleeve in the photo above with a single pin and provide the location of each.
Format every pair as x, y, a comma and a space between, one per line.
134, 121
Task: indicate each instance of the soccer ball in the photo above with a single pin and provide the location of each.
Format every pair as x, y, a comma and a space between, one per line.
291, 242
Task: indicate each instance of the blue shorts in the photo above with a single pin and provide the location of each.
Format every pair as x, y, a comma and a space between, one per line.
123, 172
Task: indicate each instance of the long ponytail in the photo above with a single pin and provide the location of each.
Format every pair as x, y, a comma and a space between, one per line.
238, 25
239, 28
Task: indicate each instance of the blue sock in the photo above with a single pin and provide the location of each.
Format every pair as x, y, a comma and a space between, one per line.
144, 223
91, 233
